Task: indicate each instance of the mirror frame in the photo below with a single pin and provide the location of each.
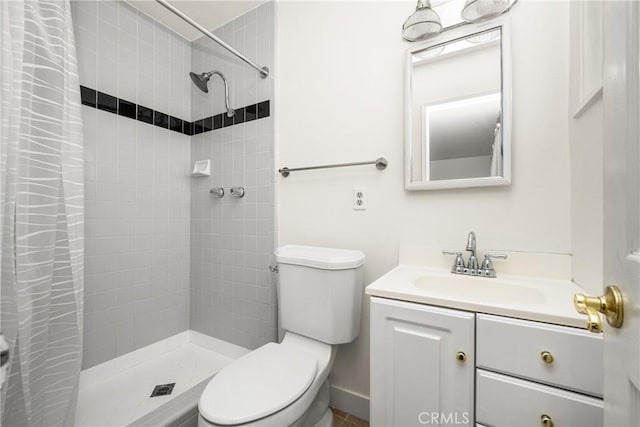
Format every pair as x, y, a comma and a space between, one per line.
461, 32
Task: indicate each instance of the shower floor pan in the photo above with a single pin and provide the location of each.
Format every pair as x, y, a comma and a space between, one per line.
118, 392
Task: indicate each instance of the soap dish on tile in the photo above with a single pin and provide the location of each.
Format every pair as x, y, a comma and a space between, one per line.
201, 168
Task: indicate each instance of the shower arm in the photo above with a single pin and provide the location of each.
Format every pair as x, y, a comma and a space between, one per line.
264, 71
230, 111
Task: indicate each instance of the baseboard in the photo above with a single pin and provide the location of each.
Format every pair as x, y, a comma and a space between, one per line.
350, 402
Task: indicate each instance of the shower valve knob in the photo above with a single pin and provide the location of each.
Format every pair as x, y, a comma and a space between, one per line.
237, 192
217, 192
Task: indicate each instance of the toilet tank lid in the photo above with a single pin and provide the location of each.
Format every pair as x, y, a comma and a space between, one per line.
317, 257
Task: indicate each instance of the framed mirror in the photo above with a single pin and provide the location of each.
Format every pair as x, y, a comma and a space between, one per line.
458, 110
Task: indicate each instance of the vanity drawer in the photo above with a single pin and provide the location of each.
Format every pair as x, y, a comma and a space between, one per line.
507, 401
516, 347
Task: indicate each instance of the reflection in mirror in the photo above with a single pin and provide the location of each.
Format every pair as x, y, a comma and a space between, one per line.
463, 137
456, 111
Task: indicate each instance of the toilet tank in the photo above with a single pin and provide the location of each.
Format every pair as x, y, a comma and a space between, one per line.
320, 292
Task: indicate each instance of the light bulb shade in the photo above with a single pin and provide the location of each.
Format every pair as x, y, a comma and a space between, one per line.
481, 10
422, 24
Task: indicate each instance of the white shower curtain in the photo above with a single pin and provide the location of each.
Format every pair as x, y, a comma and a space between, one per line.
41, 213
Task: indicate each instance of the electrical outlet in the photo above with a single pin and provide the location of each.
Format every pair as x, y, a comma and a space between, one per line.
359, 199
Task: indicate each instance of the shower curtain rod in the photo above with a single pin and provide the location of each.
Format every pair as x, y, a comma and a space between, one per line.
264, 71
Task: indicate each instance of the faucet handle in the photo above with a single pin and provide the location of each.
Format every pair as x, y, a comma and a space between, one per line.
497, 256
458, 264
487, 264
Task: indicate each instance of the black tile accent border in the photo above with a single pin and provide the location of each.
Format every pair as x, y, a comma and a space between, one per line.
263, 109
127, 109
88, 96
239, 116
217, 121
250, 112
198, 126
102, 101
161, 119
107, 103
175, 124
227, 121
187, 128
145, 114
207, 124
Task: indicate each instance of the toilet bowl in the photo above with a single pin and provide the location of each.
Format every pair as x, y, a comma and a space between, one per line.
286, 384
275, 385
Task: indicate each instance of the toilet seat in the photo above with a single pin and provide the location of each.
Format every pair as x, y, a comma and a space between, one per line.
244, 391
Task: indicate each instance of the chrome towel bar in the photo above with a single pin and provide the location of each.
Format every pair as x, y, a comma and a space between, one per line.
381, 164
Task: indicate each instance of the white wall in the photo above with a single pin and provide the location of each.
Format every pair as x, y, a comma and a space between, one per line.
339, 97
587, 186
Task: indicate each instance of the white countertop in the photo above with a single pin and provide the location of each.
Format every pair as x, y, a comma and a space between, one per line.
531, 298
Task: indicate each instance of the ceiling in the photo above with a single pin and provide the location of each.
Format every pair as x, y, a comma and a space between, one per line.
211, 14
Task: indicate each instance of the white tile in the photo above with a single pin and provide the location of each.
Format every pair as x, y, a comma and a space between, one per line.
108, 12
86, 39
107, 44
87, 67
107, 76
150, 195
127, 19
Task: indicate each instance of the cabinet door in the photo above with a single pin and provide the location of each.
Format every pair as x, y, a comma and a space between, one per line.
416, 377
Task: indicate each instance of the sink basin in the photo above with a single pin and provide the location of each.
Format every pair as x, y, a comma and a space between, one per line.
524, 297
479, 288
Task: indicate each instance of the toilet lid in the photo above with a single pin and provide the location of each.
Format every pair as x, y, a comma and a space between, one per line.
257, 385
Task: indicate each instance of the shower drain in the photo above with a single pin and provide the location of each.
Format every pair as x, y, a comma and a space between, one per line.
162, 389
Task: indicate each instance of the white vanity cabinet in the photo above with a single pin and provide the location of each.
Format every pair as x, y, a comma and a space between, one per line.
537, 374
516, 372
422, 365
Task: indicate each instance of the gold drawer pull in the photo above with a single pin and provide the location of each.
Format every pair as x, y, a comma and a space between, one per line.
547, 357
546, 421
460, 356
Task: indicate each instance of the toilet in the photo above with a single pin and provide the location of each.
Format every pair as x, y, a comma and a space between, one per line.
286, 384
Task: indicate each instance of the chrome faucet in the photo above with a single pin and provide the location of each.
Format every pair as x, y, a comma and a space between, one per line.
471, 243
472, 264
472, 267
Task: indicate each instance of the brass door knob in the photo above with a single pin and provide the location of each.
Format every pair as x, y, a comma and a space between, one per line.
546, 357
610, 304
546, 421
460, 356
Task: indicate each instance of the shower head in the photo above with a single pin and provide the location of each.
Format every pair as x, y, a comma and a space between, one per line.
202, 80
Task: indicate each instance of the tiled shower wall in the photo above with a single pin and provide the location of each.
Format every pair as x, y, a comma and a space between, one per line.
233, 294
137, 181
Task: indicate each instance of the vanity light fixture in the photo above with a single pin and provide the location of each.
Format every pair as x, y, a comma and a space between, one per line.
425, 23
421, 24
482, 10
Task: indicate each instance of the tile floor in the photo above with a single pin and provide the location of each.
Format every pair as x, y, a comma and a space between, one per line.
342, 419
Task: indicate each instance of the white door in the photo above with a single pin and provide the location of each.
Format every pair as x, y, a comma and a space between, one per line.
621, 93
422, 365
